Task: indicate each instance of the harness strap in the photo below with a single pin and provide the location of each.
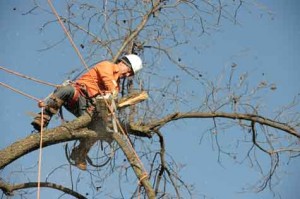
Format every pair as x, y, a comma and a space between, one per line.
74, 99
79, 90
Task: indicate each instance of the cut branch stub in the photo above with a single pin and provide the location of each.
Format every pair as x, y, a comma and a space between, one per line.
132, 99
102, 120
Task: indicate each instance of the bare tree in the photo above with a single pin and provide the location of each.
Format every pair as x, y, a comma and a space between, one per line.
158, 30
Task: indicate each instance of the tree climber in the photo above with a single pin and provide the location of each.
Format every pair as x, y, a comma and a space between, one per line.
78, 97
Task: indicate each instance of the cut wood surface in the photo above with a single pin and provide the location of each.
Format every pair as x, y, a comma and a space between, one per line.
132, 99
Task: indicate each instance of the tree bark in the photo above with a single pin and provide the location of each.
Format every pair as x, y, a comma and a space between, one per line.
135, 164
73, 130
8, 189
69, 131
235, 116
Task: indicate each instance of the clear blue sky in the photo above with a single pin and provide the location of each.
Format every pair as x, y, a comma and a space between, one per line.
267, 47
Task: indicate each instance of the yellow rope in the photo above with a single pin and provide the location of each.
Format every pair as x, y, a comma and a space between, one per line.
144, 176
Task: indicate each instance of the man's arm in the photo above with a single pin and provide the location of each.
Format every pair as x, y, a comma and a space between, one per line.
106, 72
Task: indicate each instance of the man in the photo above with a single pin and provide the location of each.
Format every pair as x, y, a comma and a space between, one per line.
103, 79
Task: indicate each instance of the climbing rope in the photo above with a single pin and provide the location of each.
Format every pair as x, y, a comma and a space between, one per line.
68, 34
40, 154
27, 77
20, 92
41, 104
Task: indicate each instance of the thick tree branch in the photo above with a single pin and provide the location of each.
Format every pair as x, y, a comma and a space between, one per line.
135, 164
8, 189
240, 116
73, 130
69, 131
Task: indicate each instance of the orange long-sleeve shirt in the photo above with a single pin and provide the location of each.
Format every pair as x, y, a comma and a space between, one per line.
104, 76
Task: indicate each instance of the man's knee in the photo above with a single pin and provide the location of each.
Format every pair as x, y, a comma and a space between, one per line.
65, 92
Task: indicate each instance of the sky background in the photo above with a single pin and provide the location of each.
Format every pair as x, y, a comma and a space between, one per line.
266, 46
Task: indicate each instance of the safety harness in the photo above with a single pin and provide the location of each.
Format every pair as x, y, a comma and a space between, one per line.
80, 90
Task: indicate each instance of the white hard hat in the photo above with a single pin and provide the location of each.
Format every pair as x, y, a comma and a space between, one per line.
134, 61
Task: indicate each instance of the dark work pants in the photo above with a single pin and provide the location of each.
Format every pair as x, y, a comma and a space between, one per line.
66, 94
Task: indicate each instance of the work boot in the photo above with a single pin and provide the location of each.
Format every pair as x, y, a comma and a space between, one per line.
54, 104
37, 121
79, 158
52, 107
